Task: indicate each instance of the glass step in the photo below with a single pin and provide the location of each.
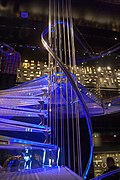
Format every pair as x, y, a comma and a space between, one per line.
12, 125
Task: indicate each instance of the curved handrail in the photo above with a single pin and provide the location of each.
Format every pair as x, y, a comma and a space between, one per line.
91, 53
80, 97
102, 53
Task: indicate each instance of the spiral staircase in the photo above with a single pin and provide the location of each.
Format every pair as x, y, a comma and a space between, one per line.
40, 120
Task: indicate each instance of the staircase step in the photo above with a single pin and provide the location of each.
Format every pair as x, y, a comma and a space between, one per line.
6, 124
22, 143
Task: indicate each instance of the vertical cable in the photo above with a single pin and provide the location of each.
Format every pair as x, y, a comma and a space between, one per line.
64, 32
55, 86
72, 35
67, 89
55, 72
72, 92
76, 104
78, 139
73, 132
61, 90
68, 35
65, 59
49, 65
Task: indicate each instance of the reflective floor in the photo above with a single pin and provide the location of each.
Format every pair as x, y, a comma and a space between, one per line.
46, 173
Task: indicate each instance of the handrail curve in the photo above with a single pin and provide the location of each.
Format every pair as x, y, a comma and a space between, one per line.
78, 93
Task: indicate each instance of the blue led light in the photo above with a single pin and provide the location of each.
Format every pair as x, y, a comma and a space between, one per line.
14, 140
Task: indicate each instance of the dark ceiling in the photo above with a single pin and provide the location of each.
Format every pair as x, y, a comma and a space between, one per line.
97, 20
92, 12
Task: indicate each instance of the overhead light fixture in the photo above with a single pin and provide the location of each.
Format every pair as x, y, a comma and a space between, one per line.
24, 14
